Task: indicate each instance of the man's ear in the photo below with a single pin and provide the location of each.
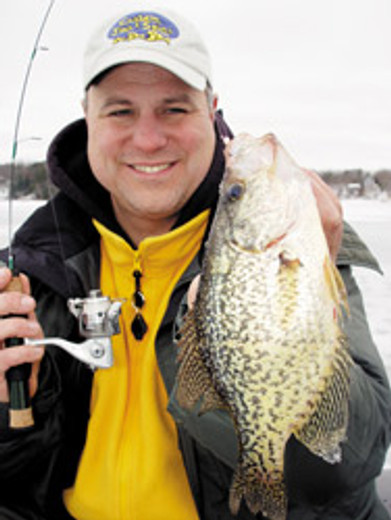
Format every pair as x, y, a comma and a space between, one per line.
215, 102
84, 104
214, 106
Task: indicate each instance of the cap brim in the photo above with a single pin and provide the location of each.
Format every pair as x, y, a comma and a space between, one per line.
121, 56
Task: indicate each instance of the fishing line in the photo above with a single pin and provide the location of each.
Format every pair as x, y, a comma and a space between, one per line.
15, 141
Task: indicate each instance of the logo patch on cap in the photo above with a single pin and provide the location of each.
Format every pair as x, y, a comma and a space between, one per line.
148, 26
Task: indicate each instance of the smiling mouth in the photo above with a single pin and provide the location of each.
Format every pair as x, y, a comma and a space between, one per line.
151, 168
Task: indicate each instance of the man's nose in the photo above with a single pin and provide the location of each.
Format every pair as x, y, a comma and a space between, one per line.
149, 134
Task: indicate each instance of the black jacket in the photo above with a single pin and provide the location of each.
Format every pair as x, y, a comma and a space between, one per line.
59, 249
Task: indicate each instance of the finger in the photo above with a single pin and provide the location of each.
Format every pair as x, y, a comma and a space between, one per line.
5, 277
324, 194
16, 303
330, 211
27, 290
25, 282
20, 304
20, 328
14, 356
192, 292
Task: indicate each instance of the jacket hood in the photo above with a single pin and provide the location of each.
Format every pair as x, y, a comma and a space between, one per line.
71, 173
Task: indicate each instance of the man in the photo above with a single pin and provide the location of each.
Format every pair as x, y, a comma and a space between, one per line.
138, 181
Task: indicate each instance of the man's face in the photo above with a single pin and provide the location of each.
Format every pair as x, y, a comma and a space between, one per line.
150, 142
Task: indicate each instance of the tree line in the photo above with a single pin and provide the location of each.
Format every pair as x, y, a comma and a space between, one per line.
32, 181
359, 183
29, 180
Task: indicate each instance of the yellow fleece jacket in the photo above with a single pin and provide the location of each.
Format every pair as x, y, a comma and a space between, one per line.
131, 467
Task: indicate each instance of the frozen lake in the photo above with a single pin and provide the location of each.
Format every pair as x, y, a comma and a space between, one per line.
371, 219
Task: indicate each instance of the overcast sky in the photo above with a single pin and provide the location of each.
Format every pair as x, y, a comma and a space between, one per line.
315, 72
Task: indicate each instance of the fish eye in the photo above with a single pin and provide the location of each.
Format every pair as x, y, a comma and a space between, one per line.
235, 191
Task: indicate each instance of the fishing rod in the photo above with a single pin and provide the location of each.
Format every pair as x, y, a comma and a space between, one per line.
20, 411
97, 315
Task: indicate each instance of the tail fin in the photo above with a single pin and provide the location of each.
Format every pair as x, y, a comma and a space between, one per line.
262, 493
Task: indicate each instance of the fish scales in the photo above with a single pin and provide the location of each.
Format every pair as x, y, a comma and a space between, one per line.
264, 339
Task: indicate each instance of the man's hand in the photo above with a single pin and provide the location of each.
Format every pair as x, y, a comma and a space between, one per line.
330, 211
21, 304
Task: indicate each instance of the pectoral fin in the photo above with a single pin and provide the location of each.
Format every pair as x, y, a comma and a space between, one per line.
193, 379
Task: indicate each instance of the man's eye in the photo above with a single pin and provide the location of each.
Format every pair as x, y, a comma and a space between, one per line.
177, 110
121, 113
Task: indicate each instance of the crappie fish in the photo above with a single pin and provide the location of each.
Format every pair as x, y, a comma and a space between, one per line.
264, 338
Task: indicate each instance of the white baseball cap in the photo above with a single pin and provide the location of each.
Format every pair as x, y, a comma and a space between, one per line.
156, 36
